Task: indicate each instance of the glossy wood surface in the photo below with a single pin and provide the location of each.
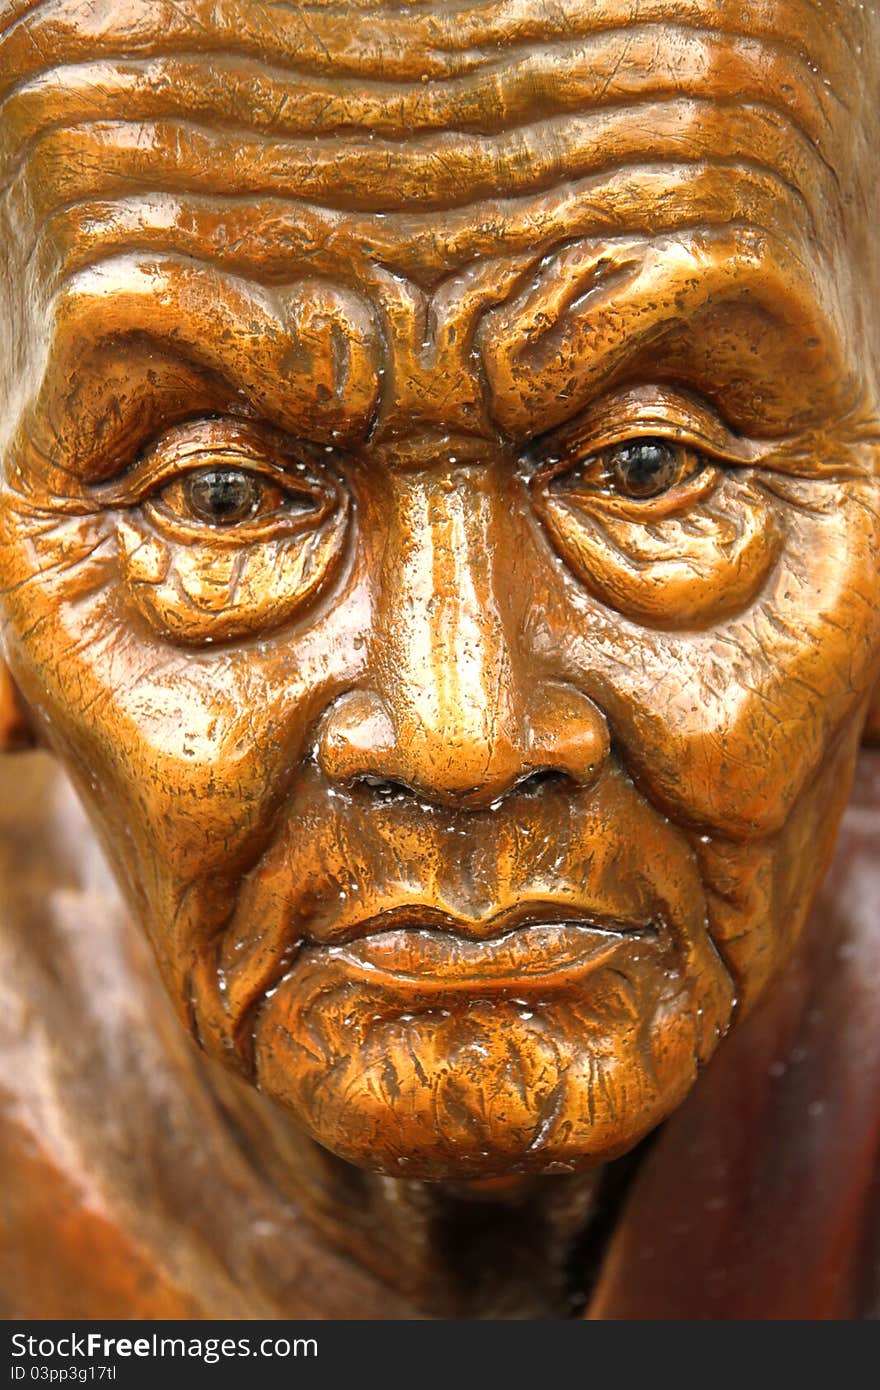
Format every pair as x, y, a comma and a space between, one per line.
439, 543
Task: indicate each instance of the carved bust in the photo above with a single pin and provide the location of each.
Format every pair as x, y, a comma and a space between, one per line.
439, 541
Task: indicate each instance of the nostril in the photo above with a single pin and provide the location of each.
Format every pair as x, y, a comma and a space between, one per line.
532, 784
384, 786
544, 779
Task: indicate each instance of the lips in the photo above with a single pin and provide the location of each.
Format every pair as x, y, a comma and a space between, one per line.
529, 945
398, 903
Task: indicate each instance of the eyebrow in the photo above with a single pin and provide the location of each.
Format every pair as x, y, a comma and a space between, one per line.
610, 311
240, 343
539, 371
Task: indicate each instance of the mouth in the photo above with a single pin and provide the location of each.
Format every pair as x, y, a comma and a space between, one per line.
531, 947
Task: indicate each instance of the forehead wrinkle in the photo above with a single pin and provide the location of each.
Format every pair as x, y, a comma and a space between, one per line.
605, 72
431, 40
423, 242
272, 238
94, 97
596, 71
109, 159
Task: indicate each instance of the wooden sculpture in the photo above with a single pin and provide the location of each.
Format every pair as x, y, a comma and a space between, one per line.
439, 543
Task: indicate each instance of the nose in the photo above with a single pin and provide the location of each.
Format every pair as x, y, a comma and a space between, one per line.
450, 712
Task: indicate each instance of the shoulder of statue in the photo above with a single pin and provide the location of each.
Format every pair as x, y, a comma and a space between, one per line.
116, 1144
761, 1191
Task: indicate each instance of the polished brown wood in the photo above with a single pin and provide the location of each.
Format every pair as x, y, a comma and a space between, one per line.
439, 545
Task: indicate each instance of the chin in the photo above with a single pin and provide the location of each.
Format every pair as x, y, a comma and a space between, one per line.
491, 1078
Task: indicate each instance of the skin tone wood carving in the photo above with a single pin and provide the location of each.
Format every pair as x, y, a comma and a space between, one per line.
439, 541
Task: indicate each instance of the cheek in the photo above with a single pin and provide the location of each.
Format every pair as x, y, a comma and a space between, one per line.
723, 728
198, 594
758, 893
183, 758
680, 571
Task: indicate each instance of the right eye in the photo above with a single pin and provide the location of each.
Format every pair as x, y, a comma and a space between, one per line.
227, 528
228, 482
223, 496
226, 497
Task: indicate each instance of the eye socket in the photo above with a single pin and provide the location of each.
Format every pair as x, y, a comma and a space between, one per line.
227, 496
637, 469
228, 483
223, 496
647, 467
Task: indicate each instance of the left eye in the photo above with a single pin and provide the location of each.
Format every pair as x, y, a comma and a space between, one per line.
647, 467
634, 468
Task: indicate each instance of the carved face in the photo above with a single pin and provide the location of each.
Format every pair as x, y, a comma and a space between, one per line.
439, 533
